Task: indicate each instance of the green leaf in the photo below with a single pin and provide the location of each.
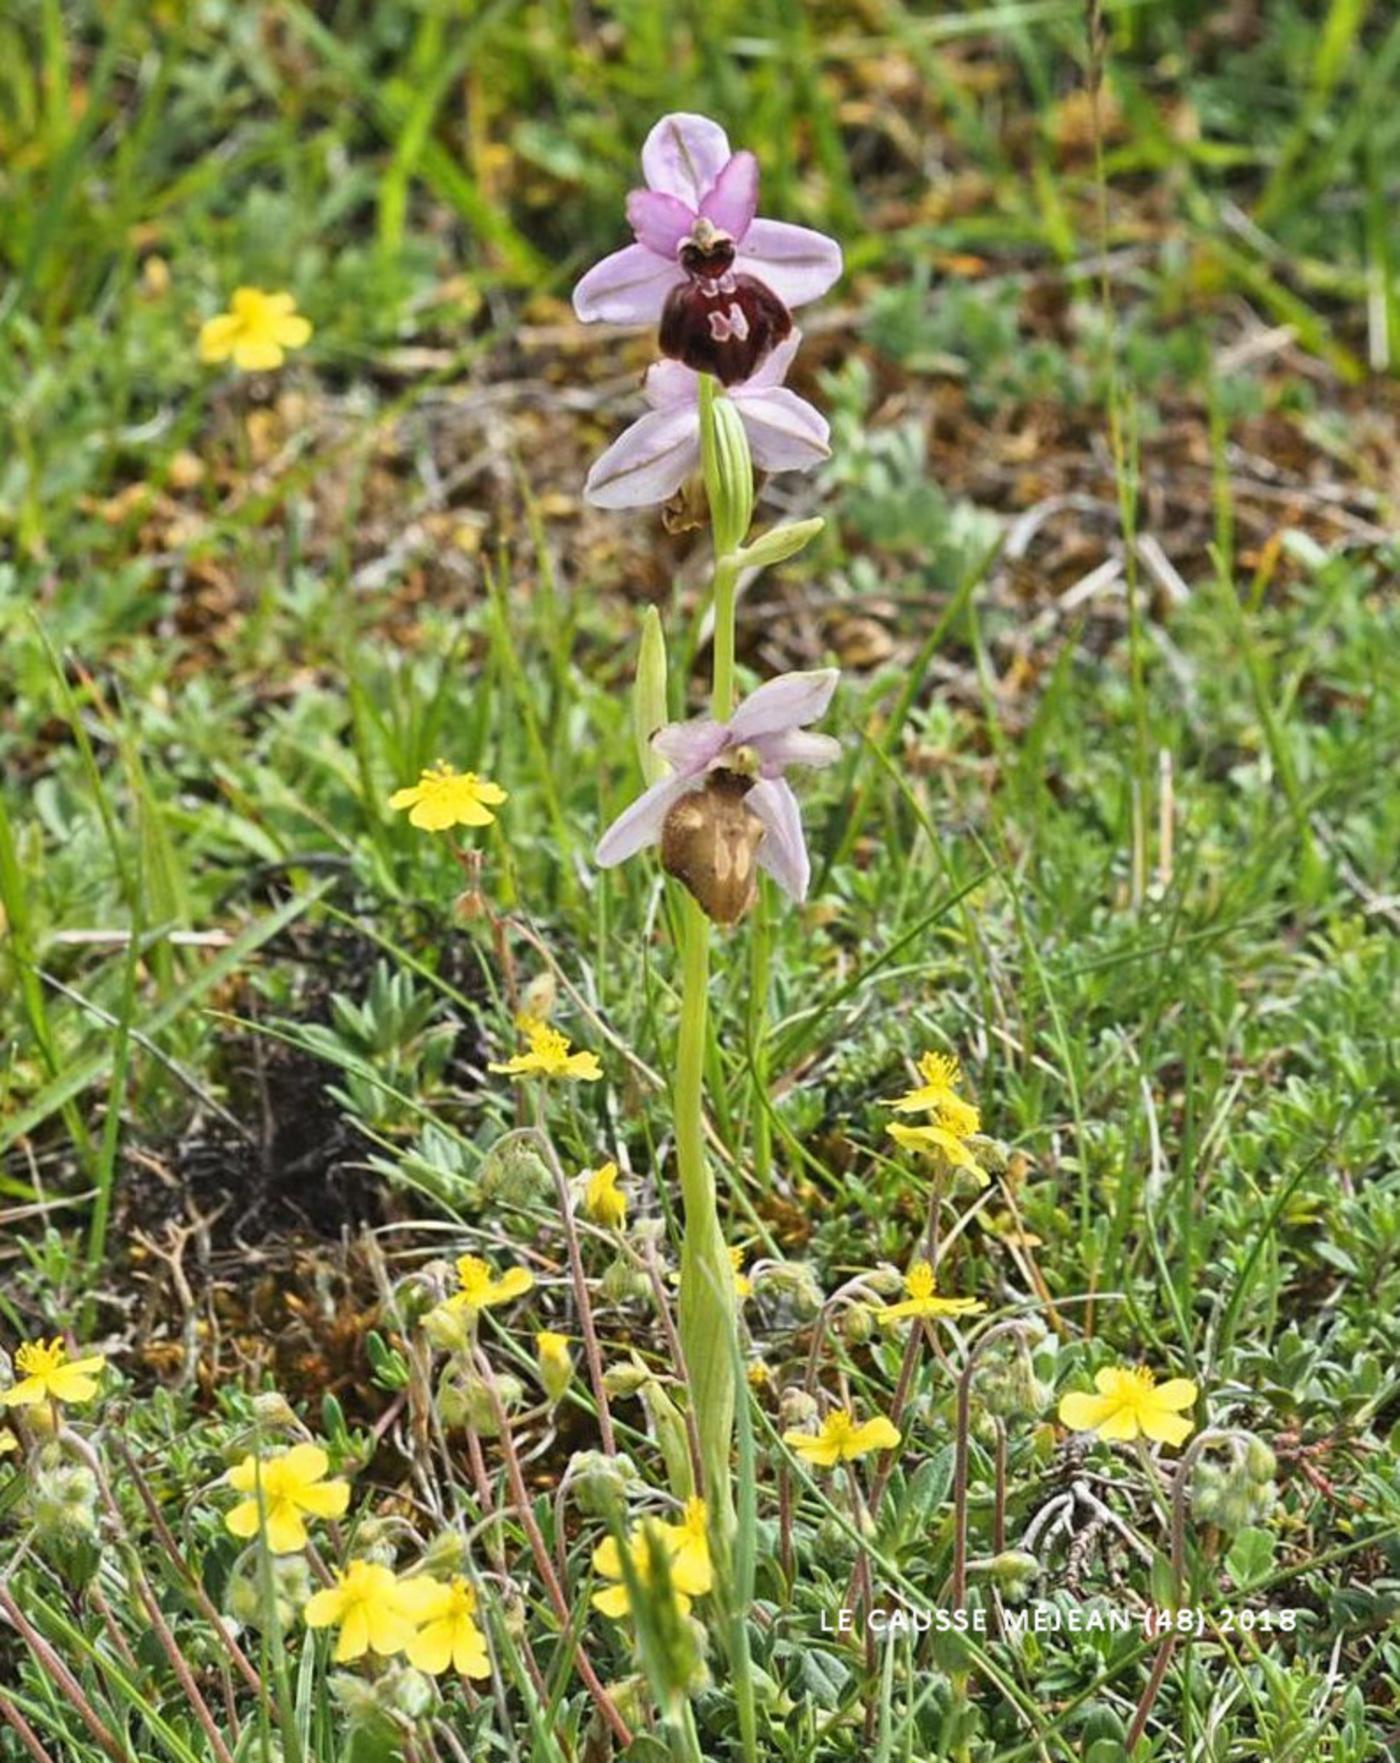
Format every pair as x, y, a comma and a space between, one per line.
1251, 1557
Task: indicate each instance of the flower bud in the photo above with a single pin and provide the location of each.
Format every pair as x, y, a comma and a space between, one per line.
449, 1328
466, 1399
600, 1482
671, 1438
1015, 1571
445, 1556
858, 1324
728, 470
626, 1378
780, 542
271, 1408
623, 1282
538, 999
515, 1174
794, 1285
649, 712
291, 1587
797, 1408
411, 1693
1260, 1460
554, 1365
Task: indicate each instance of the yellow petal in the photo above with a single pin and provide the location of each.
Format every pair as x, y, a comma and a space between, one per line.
242, 1520
469, 1653
322, 1608
612, 1601
607, 1559
1112, 1380
406, 797
513, 1283
24, 1394
306, 1462
1165, 1428
328, 1499
256, 354
1119, 1426
354, 1636
1176, 1392
423, 1598
1081, 1412
875, 1435
430, 1649
70, 1384
217, 337
285, 1531
813, 1447
292, 331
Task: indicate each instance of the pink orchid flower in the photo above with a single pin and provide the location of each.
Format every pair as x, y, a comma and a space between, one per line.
766, 734
649, 461
719, 280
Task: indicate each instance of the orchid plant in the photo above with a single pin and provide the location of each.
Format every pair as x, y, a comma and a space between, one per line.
719, 284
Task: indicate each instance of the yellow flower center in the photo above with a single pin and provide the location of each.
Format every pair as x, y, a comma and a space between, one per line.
919, 1283
41, 1358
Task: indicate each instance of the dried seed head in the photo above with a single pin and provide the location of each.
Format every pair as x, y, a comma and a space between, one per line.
710, 842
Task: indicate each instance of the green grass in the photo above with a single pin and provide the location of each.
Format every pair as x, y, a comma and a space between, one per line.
243, 1000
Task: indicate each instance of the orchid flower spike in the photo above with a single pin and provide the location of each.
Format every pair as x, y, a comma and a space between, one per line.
727, 803
719, 280
649, 461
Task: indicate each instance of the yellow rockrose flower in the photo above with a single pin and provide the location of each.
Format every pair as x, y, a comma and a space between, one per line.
1131, 1401
687, 1549
743, 1285
375, 1610
549, 1056
293, 1487
922, 1299
47, 1374
449, 1635
482, 1290
444, 798
255, 332
938, 1095
841, 1440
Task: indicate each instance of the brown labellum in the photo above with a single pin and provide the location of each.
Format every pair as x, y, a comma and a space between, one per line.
724, 325
710, 844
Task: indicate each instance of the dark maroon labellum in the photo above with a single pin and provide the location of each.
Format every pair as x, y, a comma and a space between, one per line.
725, 323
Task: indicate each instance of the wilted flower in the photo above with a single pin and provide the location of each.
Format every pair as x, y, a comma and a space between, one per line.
719, 280
256, 331
649, 461
732, 768
443, 798
449, 1635
1130, 1401
480, 1288
687, 1548
937, 1095
47, 1374
292, 1483
604, 1202
841, 1440
923, 1300
373, 1608
549, 1056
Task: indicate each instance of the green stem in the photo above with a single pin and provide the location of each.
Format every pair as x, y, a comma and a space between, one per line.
708, 1315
